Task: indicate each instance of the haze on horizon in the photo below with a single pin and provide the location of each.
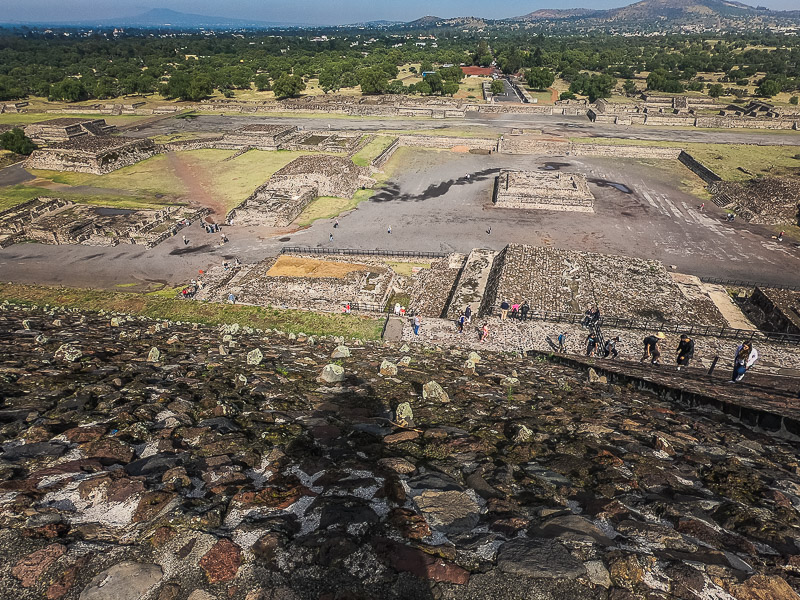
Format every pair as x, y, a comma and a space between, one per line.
315, 12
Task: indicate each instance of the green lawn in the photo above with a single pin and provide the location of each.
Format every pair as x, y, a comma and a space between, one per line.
236, 179
372, 150
725, 159
328, 207
164, 305
36, 117
11, 196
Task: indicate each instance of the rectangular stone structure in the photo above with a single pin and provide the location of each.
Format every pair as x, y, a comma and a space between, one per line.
542, 190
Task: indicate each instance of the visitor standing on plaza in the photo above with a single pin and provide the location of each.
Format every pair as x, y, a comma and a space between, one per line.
504, 306
461, 321
685, 351
417, 323
524, 310
745, 357
651, 349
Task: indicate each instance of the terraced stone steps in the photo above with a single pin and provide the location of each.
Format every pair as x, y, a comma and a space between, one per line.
471, 284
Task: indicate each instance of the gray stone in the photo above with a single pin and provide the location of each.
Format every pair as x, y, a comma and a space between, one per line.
26, 324
523, 434
398, 465
434, 391
68, 352
404, 348
597, 573
474, 357
123, 581
469, 367
573, 527
201, 595
448, 511
254, 357
154, 355
595, 378
114, 322
509, 382
341, 352
404, 415
404, 362
537, 557
332, 374
388, 368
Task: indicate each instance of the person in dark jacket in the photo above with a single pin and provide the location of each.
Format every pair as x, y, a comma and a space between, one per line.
591, 344
524, 310
651, 349
685, 351
504, 306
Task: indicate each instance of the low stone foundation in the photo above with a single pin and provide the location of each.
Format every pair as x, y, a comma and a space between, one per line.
537, 190
781, 309
97, 155
273, 208
58, 221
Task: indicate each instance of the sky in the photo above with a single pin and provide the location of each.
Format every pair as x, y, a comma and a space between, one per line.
331, 12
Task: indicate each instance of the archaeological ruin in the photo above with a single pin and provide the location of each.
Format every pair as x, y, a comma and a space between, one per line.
766, 200
66, 129
258, 136
92, 154
59, 221
542, 190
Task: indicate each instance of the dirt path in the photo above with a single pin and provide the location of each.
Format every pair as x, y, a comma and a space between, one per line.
553, 94
197, 185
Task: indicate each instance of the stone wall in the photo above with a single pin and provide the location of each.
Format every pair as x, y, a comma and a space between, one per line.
781, 309
97, 155
432, 288
568, 281
696, 167
330, 175
384, 156
426, 141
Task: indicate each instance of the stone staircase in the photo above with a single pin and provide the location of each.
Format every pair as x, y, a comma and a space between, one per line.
471, 283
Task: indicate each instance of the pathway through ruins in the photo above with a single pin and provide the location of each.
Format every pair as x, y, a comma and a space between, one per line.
196, 184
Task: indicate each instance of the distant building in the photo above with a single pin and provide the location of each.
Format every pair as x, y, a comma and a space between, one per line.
479, 71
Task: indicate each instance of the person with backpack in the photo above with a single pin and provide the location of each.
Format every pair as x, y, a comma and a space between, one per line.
651, 349
562, 342
610, 348
524, 310
745, 357
685, 351
461, 320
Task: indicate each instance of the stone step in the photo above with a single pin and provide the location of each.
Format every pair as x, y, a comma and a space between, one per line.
471, 284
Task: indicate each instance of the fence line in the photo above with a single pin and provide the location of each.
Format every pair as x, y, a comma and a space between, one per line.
358, 252
629, 323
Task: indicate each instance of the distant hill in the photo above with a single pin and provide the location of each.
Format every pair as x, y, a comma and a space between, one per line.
161, 18
556, 13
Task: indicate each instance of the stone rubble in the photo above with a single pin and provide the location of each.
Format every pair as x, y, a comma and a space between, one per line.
202, 476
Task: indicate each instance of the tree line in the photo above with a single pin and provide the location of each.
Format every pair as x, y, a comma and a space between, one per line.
193, 66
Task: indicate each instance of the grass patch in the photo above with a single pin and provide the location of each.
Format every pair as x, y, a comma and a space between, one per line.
727, 160
151, 176
14, 195
234, 180
328, 207
164, 305
372, 150
33, 117
404, 268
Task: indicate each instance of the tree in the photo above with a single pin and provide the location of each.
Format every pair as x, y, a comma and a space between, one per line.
629, 87
450, 88
540, 78
262, 82
566, 96
16, 141
288, 86
10, 89
349, 79
200, 86
68, 90
793, 100
395, 87
768, 87
452, 74
330, 79
373, 81
497, 87
715, 90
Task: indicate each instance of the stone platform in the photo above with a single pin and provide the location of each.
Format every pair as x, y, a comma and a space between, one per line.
543, 190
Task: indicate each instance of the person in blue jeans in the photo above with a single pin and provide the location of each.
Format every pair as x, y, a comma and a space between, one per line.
417, 324
745, 357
